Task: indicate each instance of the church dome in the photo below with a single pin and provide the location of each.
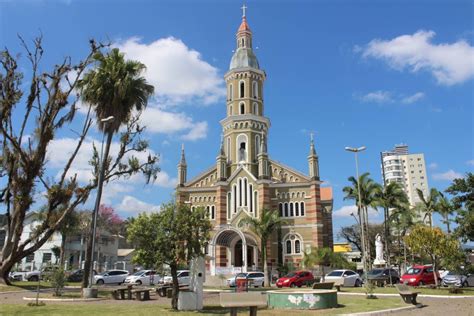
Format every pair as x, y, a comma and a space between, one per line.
244, 58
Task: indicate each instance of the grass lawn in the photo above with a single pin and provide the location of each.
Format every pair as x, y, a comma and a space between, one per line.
31, 286
427, 291
347, 305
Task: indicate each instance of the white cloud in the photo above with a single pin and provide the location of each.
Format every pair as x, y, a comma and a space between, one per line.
433, 166
164, 122
348, 210
133, 205
449, 175
413, 98
198, 131
470, 162
377, 97
449, 63
178, 73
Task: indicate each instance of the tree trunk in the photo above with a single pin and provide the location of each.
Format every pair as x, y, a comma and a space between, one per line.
435, 268
4, 271
174, 275
322, 273
62, 250
447, 224
89, 253
264, 259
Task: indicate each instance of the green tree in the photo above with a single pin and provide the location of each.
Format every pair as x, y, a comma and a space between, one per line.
432, 243
263, 227
428, 204
114, 88
326, 257
402, 219
390, 196
445, 208
368, 189
173, 236
31, 117
463, 201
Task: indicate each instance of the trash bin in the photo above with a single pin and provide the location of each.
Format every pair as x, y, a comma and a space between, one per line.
241, 285
169, 292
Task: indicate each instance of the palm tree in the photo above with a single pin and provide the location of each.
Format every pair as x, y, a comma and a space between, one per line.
428, 204
445, 208
368, 188
114, 88
389, 197
263, 227
403, 218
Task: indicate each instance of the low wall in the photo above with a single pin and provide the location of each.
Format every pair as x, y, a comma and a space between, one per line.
302, 299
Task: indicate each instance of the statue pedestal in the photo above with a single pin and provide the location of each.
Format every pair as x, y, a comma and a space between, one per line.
379, 263
193, 299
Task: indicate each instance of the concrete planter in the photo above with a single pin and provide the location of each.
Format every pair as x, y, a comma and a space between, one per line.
302, 299
90, 292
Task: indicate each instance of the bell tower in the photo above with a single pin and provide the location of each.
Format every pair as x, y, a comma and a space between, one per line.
245, 126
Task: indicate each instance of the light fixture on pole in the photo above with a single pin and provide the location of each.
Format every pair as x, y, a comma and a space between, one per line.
362, 215
100, 183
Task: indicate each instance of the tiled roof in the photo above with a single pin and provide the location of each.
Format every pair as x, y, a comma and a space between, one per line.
244, 25
326, 193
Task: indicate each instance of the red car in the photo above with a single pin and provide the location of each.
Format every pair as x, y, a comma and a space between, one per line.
297, 278
419, 275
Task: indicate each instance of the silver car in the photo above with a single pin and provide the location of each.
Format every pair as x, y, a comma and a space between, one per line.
455, 279
111, 276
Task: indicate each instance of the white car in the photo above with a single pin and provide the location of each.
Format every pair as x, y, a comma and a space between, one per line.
111, 276
350, 277
257, 278
145, 277
183, 278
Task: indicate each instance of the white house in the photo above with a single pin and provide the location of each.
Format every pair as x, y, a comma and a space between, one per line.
105, 252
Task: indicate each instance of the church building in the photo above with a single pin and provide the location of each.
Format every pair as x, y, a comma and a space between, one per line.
245, 180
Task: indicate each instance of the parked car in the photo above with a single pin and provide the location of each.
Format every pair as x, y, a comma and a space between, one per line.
44, 273
111, 276
297, 278
77, 275
183, 278
16, 276
145, 277
419, 275
455, 279
388, 276
350, 277
257, 278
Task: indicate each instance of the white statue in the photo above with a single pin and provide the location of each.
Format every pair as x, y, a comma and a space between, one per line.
378, 248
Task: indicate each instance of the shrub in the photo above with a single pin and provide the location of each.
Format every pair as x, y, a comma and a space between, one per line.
58, 280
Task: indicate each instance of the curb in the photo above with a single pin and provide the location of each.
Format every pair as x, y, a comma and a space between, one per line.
63, 299
419, 295
383, 312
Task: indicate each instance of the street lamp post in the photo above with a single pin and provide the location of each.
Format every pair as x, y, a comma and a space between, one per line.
362, 214
100, 183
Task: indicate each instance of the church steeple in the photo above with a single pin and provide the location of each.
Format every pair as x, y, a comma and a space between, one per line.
182, 168
221, 162
313, 161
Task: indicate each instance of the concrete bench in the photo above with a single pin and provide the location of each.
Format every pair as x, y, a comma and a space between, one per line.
323, 286
138, 294
253, 300
338, 283
119, 293
407, 295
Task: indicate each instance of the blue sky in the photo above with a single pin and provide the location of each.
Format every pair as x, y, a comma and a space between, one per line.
373, 73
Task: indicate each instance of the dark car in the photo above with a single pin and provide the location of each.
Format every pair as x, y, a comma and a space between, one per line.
384, 276
77, 275
298, 278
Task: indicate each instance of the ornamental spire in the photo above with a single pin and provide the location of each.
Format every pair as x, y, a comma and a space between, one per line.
312, 151
183, 158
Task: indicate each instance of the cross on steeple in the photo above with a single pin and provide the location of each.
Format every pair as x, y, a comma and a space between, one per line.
243, 10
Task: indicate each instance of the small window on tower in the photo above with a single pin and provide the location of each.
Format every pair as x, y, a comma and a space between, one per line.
242, 89
230, 92
242, 108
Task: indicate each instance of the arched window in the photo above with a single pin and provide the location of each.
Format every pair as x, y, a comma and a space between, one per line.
291, 210
230, 109
288, 246
208, 210
242, 89
286, 209
242, 42
228, 149
297, 246
255, 89
251, 198
240, 192
242, 152
257, 145
297, 209
242, 108
234, 199
213, 212
229, 205
245, 192
280, 208
255, 201
255, 108
302, 208
230, 92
